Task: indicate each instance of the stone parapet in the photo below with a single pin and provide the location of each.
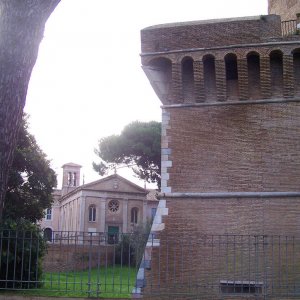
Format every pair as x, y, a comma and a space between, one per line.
209, 33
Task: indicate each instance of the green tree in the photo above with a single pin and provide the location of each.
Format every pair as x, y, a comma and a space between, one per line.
29, 193
22, 24
138, 146
31, 180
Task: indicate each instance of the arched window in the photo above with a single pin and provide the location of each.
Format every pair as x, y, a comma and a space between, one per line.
276, 65
72, 179
160, 71
232, 85
209, 70
296, 59
69, 178
48, 234
187, 69
134, 215
253, 64
92, 213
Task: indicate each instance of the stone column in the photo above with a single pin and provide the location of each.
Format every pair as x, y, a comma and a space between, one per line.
243, 79
288, 76
81, 213
220, 80
176, 84
199, 81
102, 215
265, 77
125, 215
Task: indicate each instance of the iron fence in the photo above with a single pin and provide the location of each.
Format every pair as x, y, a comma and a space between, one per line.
79, 264
289, 27
190, 266
225, 266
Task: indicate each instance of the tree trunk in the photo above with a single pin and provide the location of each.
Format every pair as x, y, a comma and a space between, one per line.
22, 24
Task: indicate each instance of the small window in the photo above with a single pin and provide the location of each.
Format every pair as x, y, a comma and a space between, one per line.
240, 287
92, 213
49, 214
134, 215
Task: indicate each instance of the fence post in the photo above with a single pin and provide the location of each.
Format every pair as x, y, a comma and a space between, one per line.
90, 264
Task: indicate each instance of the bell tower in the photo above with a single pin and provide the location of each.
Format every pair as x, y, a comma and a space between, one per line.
71, 177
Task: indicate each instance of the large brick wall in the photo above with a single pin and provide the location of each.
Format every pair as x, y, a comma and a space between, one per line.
240, 216
230, 148
210, 240
287, 9
75, 257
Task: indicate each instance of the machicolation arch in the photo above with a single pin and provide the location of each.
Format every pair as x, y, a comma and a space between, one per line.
209, 70
253, 68
223, 75
187, 71
232, 84
276, 67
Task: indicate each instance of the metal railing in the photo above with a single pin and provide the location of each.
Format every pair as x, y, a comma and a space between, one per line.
289, 27
214, 266
77, 264
82, 264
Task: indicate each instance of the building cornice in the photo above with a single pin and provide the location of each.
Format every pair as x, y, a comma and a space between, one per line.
239, 102
230, 195
254, 45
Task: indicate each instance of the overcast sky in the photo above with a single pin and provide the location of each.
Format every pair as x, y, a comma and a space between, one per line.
88, 83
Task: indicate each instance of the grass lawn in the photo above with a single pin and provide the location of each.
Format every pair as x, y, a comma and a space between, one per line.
110, 282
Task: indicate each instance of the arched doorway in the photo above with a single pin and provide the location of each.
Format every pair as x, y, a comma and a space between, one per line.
48, 234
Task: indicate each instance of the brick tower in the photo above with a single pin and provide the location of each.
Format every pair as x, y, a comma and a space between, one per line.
285, 8
230, 93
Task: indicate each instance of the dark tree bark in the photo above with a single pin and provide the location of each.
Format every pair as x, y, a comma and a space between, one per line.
22, 24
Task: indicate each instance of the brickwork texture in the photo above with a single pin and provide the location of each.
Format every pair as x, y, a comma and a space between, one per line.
230, 89
235, 148
286, 8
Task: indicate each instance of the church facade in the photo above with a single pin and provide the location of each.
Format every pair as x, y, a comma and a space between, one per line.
112, 205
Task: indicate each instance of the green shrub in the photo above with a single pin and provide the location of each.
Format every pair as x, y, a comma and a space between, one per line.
22, 248
131, 246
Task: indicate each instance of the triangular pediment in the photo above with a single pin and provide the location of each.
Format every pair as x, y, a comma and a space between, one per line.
115, 183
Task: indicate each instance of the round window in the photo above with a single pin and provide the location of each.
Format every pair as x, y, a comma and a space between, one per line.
113, 205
